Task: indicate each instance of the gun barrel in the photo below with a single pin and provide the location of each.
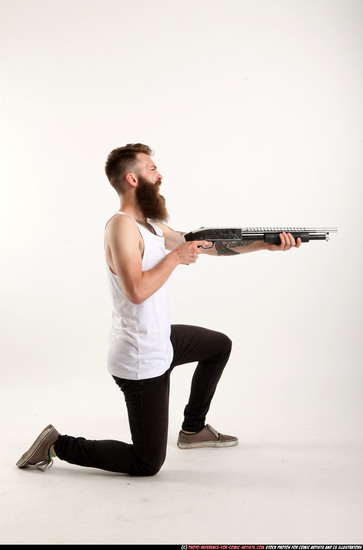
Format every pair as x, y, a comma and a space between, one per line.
272, 234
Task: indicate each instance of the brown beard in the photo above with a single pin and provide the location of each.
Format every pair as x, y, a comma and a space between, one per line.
151, 203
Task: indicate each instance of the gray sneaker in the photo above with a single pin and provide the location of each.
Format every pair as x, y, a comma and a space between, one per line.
208, 437
38, 454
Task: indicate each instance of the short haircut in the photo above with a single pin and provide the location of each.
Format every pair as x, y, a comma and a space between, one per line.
123, 160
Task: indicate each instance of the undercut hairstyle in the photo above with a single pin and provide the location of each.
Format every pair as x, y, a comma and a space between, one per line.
123, 160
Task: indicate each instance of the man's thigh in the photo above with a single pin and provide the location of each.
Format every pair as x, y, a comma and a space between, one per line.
193, 343
147, 404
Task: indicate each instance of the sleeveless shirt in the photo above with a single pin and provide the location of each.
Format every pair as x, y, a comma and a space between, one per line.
139, 345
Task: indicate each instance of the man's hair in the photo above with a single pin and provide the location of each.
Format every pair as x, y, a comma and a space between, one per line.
123, 160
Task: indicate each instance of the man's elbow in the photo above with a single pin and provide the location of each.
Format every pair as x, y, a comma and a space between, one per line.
136, 291
136, 297
136, 300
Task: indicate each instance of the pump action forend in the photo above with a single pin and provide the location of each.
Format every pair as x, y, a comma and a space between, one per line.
244, 235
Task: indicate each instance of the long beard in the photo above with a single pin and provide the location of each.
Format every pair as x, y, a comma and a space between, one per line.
151, 203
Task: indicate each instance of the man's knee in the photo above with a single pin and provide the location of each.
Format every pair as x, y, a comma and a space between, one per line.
228, 343
150, 464
149, 468
224, 344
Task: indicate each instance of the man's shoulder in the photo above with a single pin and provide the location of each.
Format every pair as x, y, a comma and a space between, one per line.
121, 224
119, 218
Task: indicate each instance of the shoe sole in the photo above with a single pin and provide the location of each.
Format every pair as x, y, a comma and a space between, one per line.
209, 444
22, 462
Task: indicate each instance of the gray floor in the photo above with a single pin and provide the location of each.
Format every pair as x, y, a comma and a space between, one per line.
293, 478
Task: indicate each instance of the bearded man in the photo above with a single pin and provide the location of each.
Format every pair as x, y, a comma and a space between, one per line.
143, 347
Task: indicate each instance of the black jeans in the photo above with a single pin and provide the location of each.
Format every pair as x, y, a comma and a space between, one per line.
147, 404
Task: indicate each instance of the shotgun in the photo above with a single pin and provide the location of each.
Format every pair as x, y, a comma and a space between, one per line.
244, 235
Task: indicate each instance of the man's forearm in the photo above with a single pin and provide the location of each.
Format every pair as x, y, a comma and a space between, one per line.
153, 279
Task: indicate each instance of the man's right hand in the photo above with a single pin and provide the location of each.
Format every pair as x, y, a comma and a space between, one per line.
188, 252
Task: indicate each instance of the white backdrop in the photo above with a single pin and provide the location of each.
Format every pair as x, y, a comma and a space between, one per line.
254, 110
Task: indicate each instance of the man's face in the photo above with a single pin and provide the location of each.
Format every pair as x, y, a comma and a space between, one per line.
148, 169
151, 203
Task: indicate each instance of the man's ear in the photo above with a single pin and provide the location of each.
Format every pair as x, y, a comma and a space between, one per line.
131, 179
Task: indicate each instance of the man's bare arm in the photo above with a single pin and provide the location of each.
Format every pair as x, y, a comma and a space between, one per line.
172, 238
124, 248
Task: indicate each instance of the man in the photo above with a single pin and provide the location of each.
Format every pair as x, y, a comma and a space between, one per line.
143, 347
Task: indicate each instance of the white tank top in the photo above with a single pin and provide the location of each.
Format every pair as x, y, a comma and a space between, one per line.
139, 339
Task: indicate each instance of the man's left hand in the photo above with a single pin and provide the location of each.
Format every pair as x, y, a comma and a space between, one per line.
287, 242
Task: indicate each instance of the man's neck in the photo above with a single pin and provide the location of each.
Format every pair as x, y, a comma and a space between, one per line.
133, 210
